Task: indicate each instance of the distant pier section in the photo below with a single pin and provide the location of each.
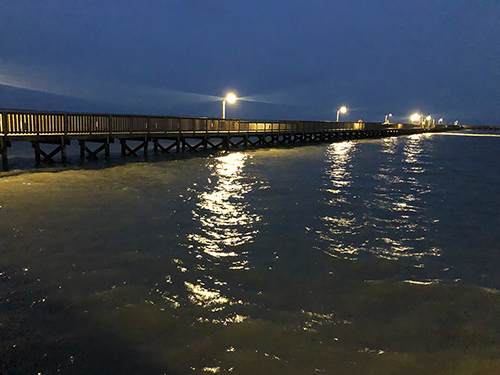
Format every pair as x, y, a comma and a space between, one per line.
51, 133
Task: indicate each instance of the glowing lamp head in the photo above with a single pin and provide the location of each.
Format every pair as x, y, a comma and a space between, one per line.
343, 109
428, 117
415, 117
231, 98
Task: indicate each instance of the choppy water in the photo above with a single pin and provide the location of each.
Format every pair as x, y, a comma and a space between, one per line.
371, 256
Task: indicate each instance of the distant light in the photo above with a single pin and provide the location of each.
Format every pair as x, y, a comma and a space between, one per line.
342, 109
415, 117
231, 98
428, 117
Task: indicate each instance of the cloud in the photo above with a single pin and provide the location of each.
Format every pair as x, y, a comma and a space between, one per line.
65, 82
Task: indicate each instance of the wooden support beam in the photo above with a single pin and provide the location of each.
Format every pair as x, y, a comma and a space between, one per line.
165, 149
47, 157
236, 144
199, 144
255, 144
91, 154
123, 142
132, 151
215, 146
271, 140
64, 155
82, 150
262, 140
192, 148
146, 142
38, 159
3, 150
107, 153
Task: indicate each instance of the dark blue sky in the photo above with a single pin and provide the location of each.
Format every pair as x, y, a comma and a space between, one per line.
293, 59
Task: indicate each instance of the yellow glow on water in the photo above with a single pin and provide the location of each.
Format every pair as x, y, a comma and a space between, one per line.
204, 297
431, 282
222, 211
413, 149
470, 135
213, 370
389, 145
339, 156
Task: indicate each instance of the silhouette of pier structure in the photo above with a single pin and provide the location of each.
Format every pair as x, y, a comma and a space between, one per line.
50, 133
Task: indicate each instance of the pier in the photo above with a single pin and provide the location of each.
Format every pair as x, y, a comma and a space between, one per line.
50, 133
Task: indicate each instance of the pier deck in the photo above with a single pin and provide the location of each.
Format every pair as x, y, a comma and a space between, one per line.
95, 132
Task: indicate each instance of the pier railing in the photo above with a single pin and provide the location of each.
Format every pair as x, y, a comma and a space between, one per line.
38, 123
95, 132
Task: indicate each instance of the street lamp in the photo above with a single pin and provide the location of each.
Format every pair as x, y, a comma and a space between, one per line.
428, 120
440, 120
230, 98
415, 117
387, 118
342, 109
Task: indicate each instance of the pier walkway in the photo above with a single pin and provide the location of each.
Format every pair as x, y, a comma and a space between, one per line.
95, 132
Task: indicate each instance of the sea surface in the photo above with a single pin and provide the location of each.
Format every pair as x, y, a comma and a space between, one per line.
358, 257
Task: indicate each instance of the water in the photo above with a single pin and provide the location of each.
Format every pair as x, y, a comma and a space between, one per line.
371, 256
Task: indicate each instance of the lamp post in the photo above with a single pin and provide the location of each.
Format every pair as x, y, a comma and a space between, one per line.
230, 98
428, 120
387, 118
415, 117
440, 120
342, 109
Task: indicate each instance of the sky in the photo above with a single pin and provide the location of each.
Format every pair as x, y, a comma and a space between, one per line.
284, 59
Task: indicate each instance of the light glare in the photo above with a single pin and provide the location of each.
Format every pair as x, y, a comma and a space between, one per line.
415, 117
231, 98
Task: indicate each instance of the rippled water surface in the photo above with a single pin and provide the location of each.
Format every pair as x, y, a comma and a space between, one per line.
371, 256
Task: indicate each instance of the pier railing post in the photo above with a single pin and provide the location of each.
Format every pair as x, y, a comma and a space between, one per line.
4, 122
4, 131
110, 126
65, 125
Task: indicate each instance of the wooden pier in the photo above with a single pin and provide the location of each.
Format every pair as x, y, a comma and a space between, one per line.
51, 133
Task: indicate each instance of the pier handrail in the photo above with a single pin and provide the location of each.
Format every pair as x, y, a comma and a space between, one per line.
27, 123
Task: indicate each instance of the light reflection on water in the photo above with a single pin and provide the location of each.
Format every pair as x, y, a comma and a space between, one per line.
222, 210
163, 259
380, 213
223, 223
339, 155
